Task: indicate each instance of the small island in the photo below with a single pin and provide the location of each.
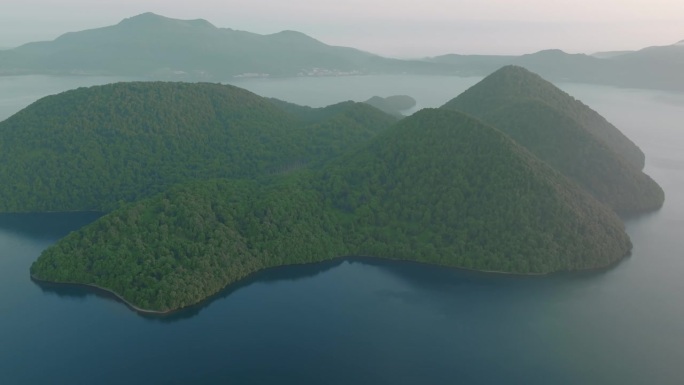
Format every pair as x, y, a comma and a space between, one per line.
443, 186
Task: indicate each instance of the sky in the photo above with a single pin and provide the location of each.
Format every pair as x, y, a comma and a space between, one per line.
397, 28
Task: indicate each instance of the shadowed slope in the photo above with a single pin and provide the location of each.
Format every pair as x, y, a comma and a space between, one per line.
565, 134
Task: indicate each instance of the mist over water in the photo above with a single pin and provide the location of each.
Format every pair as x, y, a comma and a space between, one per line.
364, 320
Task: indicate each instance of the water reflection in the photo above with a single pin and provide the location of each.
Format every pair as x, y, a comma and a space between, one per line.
284, 273
46, 226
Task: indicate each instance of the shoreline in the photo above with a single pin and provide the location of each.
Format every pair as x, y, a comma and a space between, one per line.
107, 291
150, 312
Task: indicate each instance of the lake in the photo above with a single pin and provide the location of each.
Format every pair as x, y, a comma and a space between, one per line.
364, 321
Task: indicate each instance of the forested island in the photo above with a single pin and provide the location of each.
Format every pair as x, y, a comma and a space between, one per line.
274, 184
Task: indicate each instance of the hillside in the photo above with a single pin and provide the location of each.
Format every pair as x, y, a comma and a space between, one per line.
566, 134
90, 148
439, 187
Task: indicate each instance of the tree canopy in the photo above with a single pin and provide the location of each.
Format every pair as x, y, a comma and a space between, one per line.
91, 148
438, 187
566, 134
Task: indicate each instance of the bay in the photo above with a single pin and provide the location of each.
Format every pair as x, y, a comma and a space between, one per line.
363, 320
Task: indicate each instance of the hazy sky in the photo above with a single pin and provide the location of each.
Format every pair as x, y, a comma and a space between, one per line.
402, 28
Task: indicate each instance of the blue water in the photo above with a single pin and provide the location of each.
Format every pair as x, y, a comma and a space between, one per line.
361, 321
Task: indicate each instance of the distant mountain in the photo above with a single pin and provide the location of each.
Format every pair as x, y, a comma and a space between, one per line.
90, 148
609, 54
439, 187
552, 64
159, 48
155, 46
566, 134
654, 67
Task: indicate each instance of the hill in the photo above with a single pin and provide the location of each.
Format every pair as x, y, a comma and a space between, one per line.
439, 187
394, 105
158, 47
90, 148
566, 134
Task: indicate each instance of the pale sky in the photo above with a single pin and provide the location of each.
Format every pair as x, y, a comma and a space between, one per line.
399, 28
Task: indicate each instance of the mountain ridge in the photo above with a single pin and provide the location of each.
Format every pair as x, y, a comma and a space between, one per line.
173, 49
566, 134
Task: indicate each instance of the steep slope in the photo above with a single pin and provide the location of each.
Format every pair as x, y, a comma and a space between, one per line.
439, 187
512, 83
566, 134
89, 148
441, 178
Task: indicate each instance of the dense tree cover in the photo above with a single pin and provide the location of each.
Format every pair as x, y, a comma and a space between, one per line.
512, 83
183, 245
439, 187
89, 148
308, 114
565, 134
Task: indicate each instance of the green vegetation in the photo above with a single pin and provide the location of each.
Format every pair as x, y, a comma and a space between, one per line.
439, 187
92, 148
393, 105
566, 134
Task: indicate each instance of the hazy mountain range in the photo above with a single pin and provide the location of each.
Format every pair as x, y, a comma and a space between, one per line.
156, 47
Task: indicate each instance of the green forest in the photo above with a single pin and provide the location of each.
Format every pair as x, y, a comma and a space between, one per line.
439, 187
566, 134
203, 184
92, 149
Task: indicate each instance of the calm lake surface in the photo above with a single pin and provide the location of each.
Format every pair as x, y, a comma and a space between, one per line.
361, 321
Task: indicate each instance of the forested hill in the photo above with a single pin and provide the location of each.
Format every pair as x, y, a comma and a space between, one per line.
439, 187
391, 105
89, 148
513, 83
566, 134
